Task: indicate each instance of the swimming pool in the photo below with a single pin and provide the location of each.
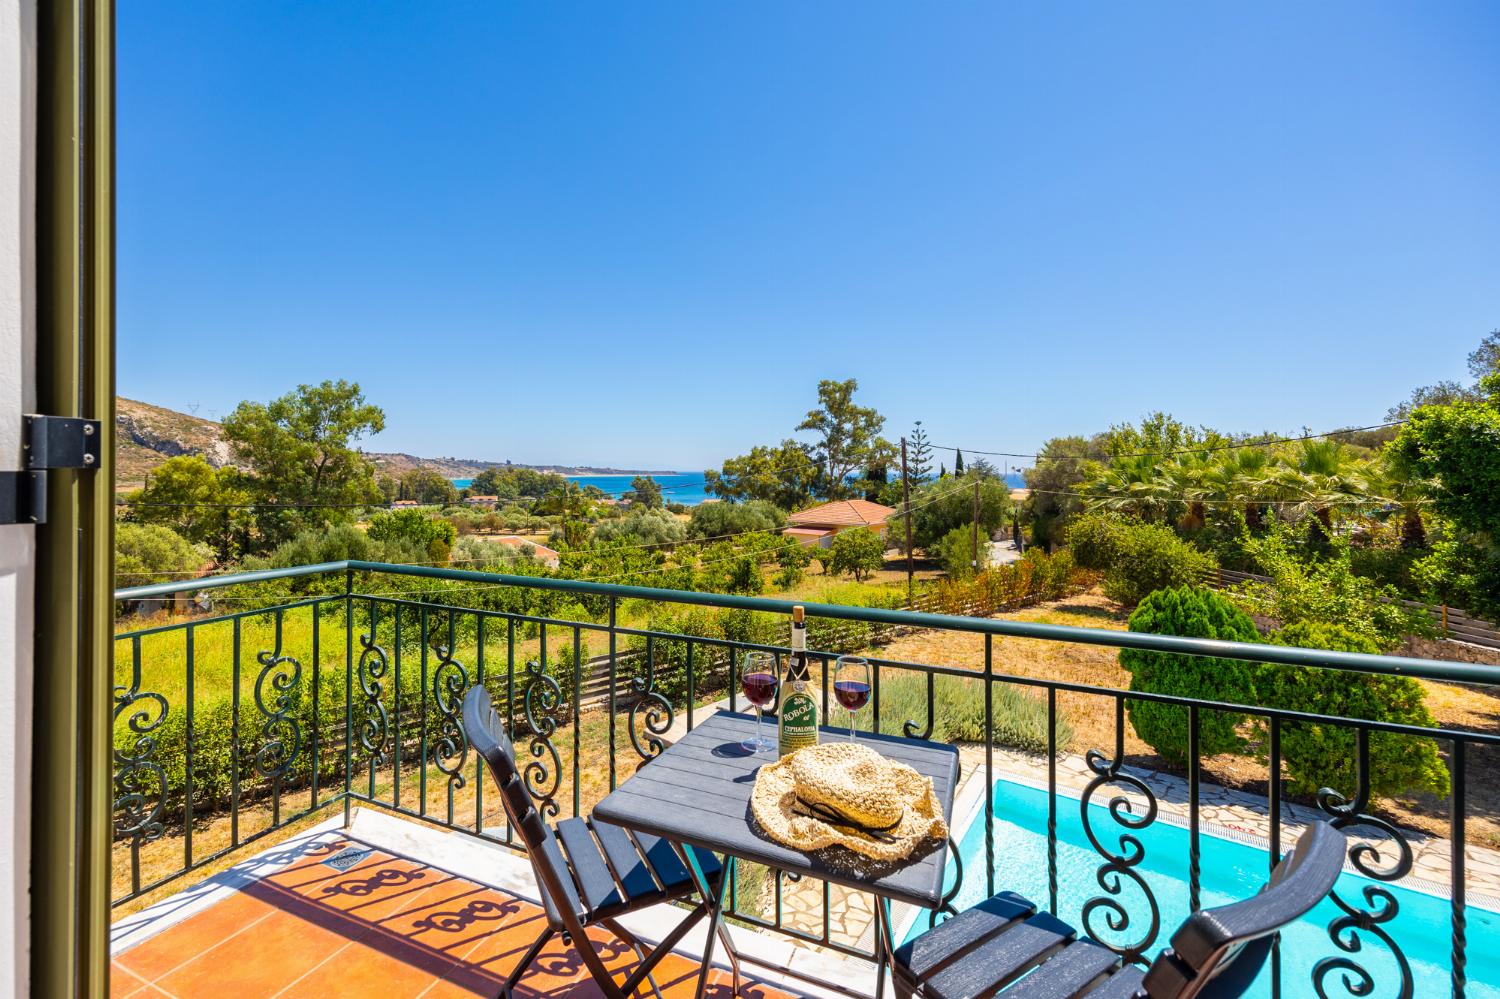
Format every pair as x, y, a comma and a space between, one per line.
1230, 870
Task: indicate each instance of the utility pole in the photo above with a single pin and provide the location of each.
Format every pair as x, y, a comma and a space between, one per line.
906, 519
975, 529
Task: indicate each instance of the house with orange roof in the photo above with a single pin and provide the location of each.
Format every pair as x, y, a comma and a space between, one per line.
547, 556
819, 524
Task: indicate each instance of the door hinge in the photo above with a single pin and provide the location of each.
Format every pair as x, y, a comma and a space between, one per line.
61, 442
23, 497
49, 442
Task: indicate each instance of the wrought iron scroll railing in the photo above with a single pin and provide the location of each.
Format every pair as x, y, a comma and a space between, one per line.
233, 726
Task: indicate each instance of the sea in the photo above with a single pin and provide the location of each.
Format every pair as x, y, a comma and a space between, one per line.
686, 488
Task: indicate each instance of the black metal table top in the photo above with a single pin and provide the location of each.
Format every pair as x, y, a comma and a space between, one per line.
698, 792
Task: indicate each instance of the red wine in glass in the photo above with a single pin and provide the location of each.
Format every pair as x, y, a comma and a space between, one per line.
851, 686
852, 694
758, 681
759, 688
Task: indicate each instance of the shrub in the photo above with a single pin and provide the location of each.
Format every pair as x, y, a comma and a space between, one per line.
152, 553
1197, 613
956, 552
1152, 557
713, 520
1326, 591
1095, 540
1319, 756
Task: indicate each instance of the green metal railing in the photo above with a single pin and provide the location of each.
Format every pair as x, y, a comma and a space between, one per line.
233, 725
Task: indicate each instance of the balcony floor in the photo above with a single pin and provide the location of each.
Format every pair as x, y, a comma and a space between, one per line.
287, 923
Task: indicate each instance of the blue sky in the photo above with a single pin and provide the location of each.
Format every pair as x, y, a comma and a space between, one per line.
639, 234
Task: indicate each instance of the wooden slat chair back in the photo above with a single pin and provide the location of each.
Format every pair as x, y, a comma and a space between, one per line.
1004, 946
587, 872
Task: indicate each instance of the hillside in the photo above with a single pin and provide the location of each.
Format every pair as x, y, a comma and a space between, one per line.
148, 435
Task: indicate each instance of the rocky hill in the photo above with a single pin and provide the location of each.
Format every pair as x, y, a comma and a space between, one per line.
146, 436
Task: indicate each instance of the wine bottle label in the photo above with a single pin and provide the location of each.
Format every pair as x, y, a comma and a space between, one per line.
799, 721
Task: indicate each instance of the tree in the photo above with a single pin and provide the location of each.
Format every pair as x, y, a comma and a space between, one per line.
1444, 393
428, 488
1484, 360
154, 553
1455, 450
859, 551
714, 520
848, 434
511, 483
1054, 499
645, 492
204, 504
642, 526
432, 535
786, 475
300, 448
939, 508
918, 454
1318, 477
1158, 433
958, 462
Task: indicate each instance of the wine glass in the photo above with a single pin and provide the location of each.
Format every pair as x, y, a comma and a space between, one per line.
758, 682
851, 685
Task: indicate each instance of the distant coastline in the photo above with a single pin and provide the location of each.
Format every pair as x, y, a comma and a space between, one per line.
687, 488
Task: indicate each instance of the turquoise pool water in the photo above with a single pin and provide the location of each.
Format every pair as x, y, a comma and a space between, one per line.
1230, 871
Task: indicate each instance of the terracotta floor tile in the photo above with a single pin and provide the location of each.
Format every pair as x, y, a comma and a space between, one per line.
123, 981
271, 955
367, 894
362, 972
454, 923
152, 958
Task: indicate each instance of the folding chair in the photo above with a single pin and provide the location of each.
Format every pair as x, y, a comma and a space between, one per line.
588, 873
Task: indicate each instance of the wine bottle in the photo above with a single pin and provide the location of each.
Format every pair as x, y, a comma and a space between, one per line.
797, 719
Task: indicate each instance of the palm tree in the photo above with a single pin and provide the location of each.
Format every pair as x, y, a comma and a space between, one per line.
1133, 485
1319, 477
1407, 495
1239, 476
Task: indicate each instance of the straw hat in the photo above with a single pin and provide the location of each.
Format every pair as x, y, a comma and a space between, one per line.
846, 794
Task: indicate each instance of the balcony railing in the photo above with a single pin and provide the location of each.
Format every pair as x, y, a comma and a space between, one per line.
239, 723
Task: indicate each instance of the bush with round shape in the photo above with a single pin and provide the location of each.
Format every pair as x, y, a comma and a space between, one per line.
1192, 612
1318, 755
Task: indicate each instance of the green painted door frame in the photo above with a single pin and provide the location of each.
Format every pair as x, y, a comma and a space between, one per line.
71, 794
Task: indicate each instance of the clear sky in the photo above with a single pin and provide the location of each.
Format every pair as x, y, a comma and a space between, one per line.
638, 234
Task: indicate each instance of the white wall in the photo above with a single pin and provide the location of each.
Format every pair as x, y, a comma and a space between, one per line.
17, 546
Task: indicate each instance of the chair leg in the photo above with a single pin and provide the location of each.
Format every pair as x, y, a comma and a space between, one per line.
634, 944
526, 959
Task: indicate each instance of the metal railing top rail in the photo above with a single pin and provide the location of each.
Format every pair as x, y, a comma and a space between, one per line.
1359, 662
